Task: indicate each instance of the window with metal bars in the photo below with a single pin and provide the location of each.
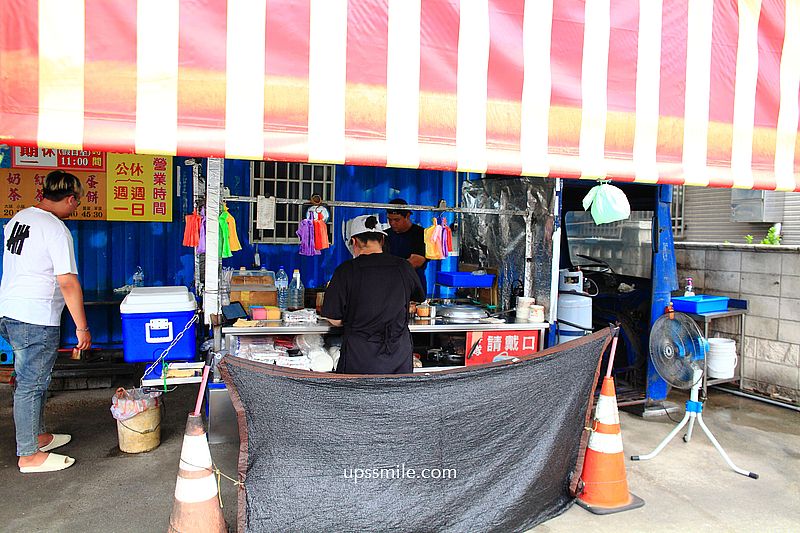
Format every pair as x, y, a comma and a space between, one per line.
294, 181
678, 222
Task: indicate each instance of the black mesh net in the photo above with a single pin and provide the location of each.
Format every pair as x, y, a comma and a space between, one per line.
488, 448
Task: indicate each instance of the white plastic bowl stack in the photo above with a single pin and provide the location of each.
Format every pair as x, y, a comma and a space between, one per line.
722, 359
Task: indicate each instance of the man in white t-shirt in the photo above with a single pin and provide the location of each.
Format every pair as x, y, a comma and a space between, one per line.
39, 277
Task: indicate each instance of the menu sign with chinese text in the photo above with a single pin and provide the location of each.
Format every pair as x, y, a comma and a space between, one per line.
49, 158
484, 346
139, 187
21, 188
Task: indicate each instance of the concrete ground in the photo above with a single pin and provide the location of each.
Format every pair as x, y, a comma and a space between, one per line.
686, 488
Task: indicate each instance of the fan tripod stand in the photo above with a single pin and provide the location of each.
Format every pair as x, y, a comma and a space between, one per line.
694, 411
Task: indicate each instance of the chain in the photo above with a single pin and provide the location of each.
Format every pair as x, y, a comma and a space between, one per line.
166, 352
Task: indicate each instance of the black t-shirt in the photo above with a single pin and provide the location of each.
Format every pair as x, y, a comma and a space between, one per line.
370, 295
407, 243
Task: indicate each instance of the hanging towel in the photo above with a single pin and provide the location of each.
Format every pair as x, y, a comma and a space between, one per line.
191, 235
224, 235
306, 234
201, 241
320, 233
234, 236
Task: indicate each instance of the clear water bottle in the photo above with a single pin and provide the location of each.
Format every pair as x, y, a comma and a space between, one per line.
138, 277
296, 292
282, 285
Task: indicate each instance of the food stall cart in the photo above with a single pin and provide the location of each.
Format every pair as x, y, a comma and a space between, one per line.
648, 92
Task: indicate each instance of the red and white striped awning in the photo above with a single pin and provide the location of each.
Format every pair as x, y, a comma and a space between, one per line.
702, 92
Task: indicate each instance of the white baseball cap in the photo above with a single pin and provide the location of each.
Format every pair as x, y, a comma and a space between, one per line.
365, 224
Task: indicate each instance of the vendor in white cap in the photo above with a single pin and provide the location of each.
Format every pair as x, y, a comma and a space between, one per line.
369, 295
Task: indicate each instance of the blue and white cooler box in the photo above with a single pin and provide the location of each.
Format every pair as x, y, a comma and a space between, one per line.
152, 317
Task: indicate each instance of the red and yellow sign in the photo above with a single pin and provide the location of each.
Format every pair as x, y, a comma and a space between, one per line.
134, 188
21, 188
485, 346
139, 187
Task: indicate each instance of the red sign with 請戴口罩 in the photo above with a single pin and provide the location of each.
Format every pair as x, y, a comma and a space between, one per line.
488, 346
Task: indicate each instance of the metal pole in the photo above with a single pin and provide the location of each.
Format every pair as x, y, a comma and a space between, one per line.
198, 280
214, 181
528, 281
374, 205
556, 260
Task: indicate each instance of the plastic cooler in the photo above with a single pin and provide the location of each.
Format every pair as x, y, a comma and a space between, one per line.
152, 317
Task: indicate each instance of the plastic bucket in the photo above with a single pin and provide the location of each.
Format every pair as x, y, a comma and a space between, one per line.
722, 358
140, 433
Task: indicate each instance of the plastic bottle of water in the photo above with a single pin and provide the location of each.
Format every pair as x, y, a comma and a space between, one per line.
296, 292
138, 277
282, 285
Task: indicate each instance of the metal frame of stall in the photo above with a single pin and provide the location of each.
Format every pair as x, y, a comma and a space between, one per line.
214, 183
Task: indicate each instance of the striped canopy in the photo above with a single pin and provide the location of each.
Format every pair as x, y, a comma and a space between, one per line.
701, 92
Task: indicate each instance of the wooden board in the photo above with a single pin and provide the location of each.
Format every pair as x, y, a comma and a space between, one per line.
249, 297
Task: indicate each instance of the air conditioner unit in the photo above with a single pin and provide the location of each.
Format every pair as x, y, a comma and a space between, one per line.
756, 206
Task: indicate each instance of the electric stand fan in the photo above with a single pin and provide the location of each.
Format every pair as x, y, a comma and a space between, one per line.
677, 349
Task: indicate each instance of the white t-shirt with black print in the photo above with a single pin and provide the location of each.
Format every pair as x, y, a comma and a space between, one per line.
37, 247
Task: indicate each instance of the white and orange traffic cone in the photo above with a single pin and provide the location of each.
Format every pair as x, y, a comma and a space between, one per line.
605, 485
196, 507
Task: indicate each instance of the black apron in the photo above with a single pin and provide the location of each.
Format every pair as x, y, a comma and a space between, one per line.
387, 350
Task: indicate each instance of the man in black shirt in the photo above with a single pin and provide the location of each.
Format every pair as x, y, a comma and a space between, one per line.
407, 240
369, 295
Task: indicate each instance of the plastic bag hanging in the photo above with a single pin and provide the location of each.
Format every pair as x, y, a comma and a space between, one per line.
447, 239
320, 233
235, 245
306, 234
224, 235
201, 241
609, 204
433, 240
191, 235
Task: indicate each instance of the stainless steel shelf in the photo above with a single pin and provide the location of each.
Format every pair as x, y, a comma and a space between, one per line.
434, 325
736, 308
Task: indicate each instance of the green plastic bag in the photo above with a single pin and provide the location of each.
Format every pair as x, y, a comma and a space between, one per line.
609, 204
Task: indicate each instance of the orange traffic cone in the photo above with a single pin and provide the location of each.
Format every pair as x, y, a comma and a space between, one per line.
196, 507
605, 486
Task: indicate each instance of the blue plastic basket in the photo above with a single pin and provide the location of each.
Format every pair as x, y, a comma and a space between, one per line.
700, 304
464, 279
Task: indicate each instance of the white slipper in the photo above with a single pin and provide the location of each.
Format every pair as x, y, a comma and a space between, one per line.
59, 439
53, 463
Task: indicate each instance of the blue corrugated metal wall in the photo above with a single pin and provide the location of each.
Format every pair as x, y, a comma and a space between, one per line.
109, 252
357, 184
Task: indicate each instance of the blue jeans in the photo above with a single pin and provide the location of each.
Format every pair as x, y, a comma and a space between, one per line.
35, 350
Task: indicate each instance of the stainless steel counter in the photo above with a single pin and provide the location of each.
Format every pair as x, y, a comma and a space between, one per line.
420, 325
